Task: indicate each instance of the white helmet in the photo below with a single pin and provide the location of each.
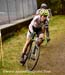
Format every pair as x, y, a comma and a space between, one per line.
43, 5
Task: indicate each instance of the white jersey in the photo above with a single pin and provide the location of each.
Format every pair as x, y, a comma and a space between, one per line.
35, 22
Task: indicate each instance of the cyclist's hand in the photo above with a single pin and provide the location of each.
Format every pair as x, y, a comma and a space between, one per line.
48, 39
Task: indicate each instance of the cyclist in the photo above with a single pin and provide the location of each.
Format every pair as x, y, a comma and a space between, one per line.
35, 26
46, 22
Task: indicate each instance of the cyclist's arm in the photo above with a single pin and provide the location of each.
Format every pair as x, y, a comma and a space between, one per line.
34, 23
31, 26
50, 14
37, 12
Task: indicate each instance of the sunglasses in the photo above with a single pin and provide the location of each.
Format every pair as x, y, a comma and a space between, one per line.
45, 15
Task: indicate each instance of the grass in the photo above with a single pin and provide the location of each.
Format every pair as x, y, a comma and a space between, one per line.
12, 47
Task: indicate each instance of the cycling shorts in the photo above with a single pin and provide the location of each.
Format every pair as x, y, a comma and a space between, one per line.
37, 30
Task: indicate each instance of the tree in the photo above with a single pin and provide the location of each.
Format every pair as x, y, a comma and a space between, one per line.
57, 6
63, 6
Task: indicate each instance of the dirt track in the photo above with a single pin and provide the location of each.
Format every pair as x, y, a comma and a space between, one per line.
52, 56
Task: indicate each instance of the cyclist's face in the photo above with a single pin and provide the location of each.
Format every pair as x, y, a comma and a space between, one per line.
43, 18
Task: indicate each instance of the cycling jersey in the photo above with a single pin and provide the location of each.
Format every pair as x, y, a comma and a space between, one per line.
35, 26
46, 22
35, 23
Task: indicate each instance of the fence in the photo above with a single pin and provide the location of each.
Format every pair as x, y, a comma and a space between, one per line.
11, 10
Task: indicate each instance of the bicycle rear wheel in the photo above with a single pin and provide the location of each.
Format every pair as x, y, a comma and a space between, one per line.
32, 59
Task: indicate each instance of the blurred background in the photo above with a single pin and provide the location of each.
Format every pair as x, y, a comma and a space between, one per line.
11, 10
57, 6
13, 35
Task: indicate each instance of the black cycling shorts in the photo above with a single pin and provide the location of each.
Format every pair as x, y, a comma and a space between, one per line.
37, 30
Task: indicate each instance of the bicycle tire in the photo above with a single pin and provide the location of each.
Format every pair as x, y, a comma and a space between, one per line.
28, 66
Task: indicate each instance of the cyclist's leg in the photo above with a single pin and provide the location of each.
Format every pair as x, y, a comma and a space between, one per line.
47, 30
26, 46
41, 36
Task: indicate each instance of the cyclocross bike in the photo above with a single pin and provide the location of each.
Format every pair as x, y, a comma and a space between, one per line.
32, 54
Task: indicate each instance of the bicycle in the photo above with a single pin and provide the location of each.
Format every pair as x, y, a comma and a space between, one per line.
32, 55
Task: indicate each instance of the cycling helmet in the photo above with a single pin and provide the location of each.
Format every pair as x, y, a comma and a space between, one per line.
43, 5
44, 12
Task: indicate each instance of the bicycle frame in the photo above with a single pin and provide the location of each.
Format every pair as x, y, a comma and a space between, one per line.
30, 52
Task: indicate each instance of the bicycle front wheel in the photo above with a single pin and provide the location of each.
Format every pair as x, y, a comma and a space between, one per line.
32, 58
